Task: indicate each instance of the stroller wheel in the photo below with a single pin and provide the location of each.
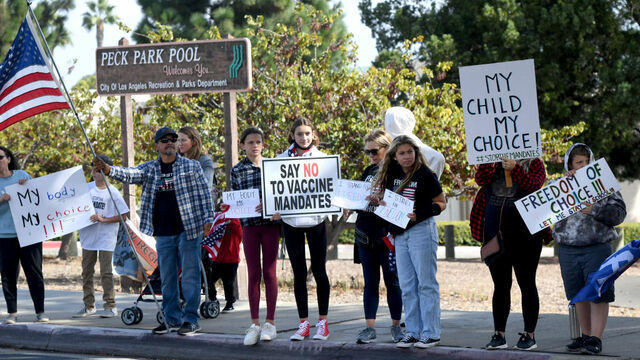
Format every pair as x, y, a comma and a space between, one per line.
128, 316
159, 317
139, 316
204, 311
213, 308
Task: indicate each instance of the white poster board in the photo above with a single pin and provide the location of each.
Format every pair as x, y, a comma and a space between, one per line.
351, 194
500, 109
396, 209
242, 203
299, 186
50, 206
567, 196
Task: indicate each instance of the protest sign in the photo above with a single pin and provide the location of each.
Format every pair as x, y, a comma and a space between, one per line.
567, 196
145, 247
299, 186
500, 111
350, 194
242, 203
50, 206
396, 209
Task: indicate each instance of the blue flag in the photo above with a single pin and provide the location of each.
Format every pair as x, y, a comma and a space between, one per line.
599, 281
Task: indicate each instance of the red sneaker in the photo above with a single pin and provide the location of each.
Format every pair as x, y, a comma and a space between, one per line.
322, 330
302, 333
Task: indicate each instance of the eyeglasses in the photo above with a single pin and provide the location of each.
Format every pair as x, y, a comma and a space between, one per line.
373, 152
166, 140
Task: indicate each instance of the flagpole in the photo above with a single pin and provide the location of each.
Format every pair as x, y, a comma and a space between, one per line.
49, 54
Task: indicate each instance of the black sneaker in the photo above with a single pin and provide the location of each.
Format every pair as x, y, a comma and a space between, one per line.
577, 344
162, 329
425, 343
592, 345
188, 329
228, 307
407, 341
526, 342
497, 342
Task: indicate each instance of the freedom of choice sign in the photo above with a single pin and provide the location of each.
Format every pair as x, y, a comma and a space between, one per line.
299, 186
567, 196
50, 206
500, 109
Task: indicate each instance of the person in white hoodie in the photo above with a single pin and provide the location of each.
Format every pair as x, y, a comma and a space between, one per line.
398, 121
303, 139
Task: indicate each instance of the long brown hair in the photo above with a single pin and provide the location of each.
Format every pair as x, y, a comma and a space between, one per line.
389, 164
303, 122
196, 142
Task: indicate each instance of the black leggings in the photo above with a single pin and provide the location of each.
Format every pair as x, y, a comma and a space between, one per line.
317, 240
522, 253
30, 257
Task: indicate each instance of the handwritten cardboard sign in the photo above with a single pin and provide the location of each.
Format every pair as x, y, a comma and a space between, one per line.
396, 209
567, 196
178, 67
50, 206
351, 194
500, 109
299, 186
242, 203
145, 247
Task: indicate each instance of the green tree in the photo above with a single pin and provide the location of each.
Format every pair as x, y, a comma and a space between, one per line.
100, 13
587, 57
52, 16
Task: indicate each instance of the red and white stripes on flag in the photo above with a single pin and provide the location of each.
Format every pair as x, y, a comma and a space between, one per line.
27, 87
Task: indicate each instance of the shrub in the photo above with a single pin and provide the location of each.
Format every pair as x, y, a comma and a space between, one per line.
631, 231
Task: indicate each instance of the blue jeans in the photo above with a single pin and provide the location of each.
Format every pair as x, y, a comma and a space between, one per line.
372, 260
416, 251
175, 252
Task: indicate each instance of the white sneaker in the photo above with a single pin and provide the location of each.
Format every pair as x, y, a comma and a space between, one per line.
322, 330
302, 333
84, 313
108, 313
252, 336
268, 332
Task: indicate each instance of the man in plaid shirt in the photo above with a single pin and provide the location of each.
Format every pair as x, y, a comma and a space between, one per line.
176, 208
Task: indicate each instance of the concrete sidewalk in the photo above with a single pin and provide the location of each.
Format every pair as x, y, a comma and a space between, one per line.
463, 333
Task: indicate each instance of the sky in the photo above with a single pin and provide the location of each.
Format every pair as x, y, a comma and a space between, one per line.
80, 55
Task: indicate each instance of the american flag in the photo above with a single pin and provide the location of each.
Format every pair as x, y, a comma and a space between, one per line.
27, 87
213, 240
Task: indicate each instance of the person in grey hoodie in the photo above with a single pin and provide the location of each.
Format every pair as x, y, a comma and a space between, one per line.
584, 243
398, 121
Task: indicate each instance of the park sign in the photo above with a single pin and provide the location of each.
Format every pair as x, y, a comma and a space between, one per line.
567, 196
500, 109
50, 206
178, 67
299, 186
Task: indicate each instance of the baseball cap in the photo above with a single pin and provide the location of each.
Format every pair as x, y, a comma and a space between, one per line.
164, 131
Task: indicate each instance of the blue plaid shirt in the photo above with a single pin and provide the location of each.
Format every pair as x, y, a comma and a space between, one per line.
192, 193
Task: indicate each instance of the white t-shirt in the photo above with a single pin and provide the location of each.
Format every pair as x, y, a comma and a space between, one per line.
103, 236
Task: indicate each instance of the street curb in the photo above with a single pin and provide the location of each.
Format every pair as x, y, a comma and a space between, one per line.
142, 343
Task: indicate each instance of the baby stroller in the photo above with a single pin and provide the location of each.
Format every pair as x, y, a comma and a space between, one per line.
144, 246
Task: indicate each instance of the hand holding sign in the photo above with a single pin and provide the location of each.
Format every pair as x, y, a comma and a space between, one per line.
395, 209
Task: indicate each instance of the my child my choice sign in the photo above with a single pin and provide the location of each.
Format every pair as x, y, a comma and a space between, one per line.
567, 196
50, 206
500, 111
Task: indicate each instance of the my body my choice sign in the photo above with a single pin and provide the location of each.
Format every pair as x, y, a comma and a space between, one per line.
500, 109
50, 206
567, 196
299, 186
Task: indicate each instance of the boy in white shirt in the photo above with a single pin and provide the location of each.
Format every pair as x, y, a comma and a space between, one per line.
98, 242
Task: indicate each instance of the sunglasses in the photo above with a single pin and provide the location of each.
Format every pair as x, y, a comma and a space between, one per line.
3, 156
373, 152
166, 140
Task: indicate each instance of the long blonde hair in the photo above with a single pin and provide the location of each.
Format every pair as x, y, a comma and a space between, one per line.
389, 164
196, 143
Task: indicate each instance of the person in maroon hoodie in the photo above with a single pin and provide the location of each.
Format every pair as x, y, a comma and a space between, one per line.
225, 265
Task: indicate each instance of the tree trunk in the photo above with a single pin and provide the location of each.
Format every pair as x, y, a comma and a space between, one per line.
99, 33
68, 246
335, 227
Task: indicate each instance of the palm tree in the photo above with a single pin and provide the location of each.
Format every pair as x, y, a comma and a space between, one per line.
100, 13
